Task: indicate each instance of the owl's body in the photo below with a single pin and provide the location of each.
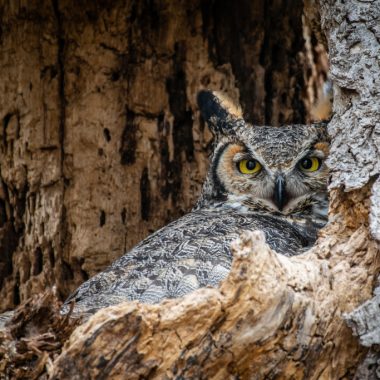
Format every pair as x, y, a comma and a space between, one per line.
260, 178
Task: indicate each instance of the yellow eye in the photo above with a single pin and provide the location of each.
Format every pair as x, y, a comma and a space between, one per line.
249, 166
310, 164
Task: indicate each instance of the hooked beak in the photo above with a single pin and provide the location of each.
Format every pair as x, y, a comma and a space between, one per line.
279, 192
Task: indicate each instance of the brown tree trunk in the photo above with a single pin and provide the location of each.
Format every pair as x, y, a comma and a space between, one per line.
101, 142
274, 317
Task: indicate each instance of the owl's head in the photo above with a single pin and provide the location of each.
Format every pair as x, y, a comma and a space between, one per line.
276, 169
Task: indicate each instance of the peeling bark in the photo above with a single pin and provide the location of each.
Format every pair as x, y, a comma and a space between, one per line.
365, 320
365, 323
353, 35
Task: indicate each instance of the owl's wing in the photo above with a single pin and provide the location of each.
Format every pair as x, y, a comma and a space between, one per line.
192, 252
187, 254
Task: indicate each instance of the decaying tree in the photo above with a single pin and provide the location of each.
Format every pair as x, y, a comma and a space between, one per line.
101, 142
100, 130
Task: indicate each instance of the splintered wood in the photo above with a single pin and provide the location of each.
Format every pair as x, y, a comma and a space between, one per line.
272, 315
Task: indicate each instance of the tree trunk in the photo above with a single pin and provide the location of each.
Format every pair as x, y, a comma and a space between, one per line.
132, 117
101, 142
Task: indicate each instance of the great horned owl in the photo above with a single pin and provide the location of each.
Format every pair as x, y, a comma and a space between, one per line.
260, 178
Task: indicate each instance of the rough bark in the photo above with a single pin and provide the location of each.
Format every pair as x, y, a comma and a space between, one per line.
101, 142
273, 317
365, 320
353, 35
365, 323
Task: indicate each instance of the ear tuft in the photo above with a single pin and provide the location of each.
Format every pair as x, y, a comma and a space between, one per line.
218, 110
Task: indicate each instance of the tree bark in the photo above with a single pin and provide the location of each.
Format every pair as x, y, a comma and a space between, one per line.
101, 142
353, 35
273, 317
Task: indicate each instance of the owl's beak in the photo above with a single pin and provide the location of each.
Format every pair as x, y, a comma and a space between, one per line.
279, 192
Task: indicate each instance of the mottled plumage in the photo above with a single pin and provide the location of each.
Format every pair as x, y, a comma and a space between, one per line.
259, 178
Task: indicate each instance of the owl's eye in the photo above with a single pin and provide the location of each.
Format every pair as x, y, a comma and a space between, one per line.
249, 166
310, 164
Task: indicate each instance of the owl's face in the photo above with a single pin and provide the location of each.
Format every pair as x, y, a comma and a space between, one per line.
280, 170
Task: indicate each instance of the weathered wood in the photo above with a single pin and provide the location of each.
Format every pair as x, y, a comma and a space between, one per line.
353, 35
365, 320
101, 142
34, 337
272, 316
365, 323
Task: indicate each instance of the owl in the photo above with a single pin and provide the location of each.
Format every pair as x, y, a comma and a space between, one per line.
260, 178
